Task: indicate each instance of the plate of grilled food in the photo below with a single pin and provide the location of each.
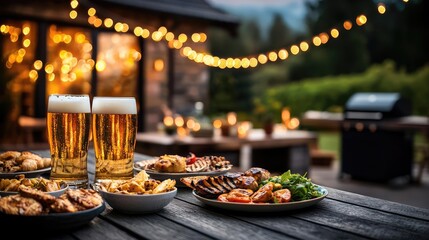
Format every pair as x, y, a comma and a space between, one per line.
176, 167
10, 186
42, 211
255, 190
13, 163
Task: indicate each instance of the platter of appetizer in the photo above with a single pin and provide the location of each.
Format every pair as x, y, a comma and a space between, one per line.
42, 211
255, 190
13, 163
176, 167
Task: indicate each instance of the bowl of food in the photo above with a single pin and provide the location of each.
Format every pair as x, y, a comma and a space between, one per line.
138, 195
12, 186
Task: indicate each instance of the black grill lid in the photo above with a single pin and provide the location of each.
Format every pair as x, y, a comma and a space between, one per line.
376, 106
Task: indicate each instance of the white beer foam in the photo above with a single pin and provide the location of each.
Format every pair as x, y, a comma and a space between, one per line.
114, 105
63, 103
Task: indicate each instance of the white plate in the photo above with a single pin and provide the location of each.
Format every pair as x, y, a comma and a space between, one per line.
177, 176
28, 174
262, 207
137, 204
64, 187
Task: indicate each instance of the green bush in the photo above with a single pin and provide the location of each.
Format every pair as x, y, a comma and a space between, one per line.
331, 93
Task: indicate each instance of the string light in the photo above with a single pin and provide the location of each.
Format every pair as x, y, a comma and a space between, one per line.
179, 42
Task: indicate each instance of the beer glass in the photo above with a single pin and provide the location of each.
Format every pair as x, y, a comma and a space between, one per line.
114, 129
68, 125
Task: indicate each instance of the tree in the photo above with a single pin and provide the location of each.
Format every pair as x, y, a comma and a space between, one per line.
279, 34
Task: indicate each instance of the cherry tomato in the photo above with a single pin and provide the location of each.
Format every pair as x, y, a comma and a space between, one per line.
191, 159
238, 197
222, 197
282, 196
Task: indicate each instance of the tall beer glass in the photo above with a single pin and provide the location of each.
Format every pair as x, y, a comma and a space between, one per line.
68, 124
114, 129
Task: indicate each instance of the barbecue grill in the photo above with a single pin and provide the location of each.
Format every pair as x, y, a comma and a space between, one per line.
369, 150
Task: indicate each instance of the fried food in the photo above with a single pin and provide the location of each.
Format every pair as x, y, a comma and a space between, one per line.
14, 161
41, 197
86, 198
34, 202
139, 184
171, 164
45, 185
63, 205
19, 205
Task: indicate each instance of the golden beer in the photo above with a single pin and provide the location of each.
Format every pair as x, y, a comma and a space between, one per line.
114, 128
68, 124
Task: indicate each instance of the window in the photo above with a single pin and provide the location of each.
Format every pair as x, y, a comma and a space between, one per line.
117, 64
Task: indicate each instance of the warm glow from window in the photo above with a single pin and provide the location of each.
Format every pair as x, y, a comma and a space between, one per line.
158, 65
100, 65
217, 123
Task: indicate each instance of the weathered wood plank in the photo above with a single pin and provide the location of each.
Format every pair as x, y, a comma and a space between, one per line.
364, 221
152, 226
102, 230
216, 225
379, 204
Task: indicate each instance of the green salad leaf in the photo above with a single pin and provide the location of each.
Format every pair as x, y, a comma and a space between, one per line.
299, 185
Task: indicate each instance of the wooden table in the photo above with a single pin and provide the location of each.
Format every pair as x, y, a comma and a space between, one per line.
283, 149
342, 215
